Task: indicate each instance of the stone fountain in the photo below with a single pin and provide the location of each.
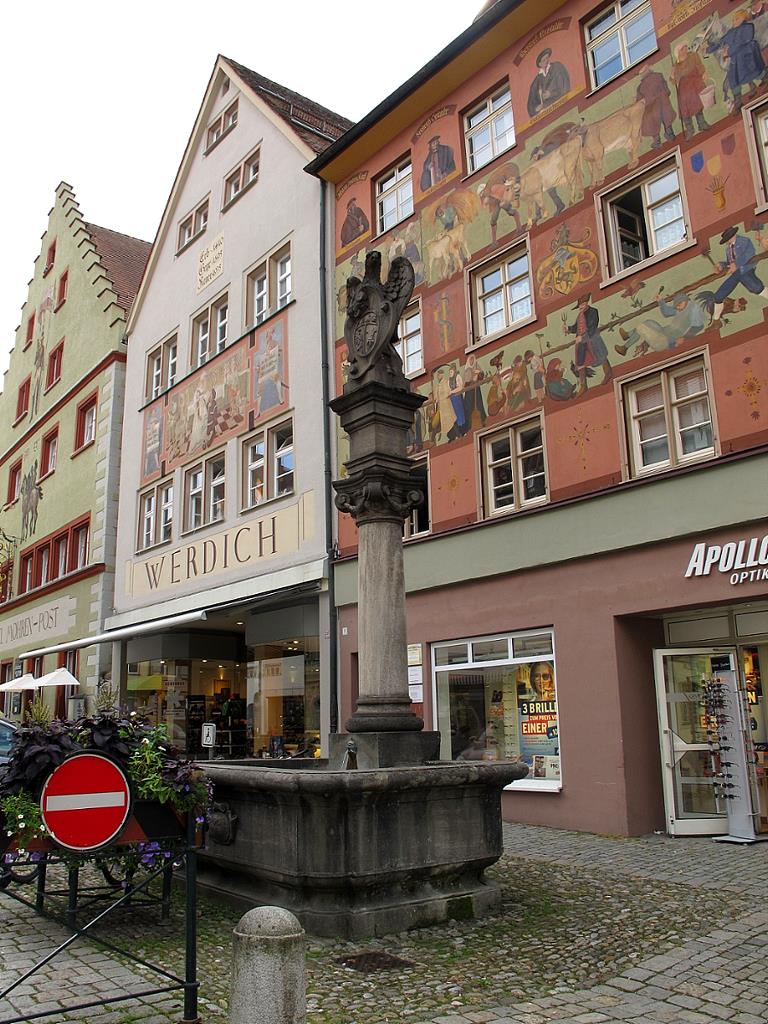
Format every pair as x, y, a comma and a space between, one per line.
380, 837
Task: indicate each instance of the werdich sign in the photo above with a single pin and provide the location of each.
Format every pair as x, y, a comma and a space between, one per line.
86, 802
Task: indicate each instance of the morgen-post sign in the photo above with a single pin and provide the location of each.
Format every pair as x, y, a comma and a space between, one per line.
743, 561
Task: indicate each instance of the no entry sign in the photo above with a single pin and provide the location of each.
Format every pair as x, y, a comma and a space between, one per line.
85, 802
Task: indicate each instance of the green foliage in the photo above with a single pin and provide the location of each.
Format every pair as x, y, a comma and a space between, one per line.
39, 712
22, 818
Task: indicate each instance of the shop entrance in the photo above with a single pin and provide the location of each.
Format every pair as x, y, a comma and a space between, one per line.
688, 723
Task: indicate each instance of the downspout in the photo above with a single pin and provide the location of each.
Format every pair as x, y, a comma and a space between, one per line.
330, 547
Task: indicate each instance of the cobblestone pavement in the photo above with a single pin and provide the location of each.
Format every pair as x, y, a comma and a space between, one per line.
593, 929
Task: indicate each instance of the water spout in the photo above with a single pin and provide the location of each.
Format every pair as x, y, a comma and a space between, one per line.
349, 761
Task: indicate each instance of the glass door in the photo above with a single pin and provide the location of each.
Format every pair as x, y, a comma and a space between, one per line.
690, 761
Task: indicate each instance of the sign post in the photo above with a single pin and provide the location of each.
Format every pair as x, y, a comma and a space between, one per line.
86, 802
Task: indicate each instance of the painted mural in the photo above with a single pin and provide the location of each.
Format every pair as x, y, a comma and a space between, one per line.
711, 58
240, 386
42, 324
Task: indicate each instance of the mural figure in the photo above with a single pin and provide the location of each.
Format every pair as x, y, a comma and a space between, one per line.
551, 83
690, 83
355, 223
501, 192
590, 347
745, 64
37, 374
758, 15
438, 164
518, 387
474, 410
441, 316
268, 365
684, 318
153, 438
198, 420
31, 496
456, 392
444, 410
497, 396
448, 250
571, 264
739, 255
556, 386
621, 130
536, 365
658, 113
405, 244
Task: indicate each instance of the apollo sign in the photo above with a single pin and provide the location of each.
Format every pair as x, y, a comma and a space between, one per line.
745, 561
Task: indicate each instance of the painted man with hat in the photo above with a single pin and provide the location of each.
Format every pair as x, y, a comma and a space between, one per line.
355, 223
590, 347
551, 83
438, 165
684, 317
739, 260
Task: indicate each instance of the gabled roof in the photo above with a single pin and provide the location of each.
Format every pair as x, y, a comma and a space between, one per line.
123, 258
316, 125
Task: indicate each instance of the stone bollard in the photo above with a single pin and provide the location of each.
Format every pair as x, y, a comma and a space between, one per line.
268, 981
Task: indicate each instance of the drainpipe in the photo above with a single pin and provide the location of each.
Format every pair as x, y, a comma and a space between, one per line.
330, 547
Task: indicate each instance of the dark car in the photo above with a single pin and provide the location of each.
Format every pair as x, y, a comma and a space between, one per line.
7, 729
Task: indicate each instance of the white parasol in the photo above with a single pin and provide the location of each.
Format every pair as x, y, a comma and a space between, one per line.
59, 677
25, 682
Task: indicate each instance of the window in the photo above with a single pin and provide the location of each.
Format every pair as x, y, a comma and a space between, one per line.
209, 331
645, 218
503, 295
48, 453
268, 464
408, 344
53, 372
618, 37
61, 291
154, 374
85, 431
497, 700
42, 565
205, 490
489, 129
80, 547
50, 259
193, 226
394, 196
170, 359
218, 129
22, 399
156, 515
26, 573
30, 331
241, 178
514, 475
14, 482
268, 287
418, 521
669, 418
59, 565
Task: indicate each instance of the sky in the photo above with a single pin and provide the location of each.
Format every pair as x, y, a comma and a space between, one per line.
104, 96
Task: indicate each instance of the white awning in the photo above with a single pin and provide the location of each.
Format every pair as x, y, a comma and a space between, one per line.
154, 626
59, 677
25, 682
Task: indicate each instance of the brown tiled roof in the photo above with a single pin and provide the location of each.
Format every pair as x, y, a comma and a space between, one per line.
123, 258
314, 124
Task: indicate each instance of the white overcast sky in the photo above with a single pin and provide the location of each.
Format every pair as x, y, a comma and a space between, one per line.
104, 96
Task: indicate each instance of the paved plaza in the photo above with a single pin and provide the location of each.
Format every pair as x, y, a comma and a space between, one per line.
594, 929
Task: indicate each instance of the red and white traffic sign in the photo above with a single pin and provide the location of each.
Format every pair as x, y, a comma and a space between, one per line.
86, 802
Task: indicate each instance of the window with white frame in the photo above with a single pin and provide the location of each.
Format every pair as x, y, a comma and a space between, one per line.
618, 36
418, 521
154, 374
645, 217
193, 225
489, 128
209, 331
205, 492
219, 127
268, 287
156, 515
669, 417
162, 367
49, 452
409, 344
170, 361
497, 700
502, 292
80, 546
238, 180
268, 464
394, 195
758, 120
514, 472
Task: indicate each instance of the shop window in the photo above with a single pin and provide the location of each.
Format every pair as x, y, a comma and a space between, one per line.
268, 464
62, 289
394, 195
669, 418
30, 331
53, 370
409, 344
209, 331
22, 399
50, 258
205, 492
497, 700
514, 472
418, 522
156, 515
14, 482
192, 226
48, 453
241, 179
617, 37
268, 287
645, 219
219, 127
85, 429
489, 128
502, 294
